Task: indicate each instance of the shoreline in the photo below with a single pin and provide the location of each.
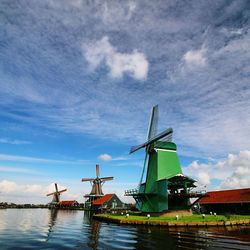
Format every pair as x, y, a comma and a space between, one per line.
155, 222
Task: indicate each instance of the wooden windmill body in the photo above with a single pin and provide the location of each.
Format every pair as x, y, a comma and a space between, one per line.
56, 194
96, 191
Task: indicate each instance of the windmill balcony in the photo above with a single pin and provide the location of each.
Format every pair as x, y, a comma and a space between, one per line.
131, 192
195, 194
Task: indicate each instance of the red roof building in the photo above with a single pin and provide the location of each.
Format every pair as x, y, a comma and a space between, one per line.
235, 201
227, 196
68, 203
108, 201
103, 199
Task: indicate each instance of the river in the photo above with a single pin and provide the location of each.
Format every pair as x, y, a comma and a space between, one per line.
67, 229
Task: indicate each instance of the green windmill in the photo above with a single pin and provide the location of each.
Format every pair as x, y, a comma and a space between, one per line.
165, 187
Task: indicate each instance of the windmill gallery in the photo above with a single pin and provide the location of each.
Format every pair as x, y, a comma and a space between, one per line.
165, 188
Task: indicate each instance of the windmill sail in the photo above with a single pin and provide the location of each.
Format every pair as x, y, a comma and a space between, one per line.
97, 183
164, 134
62, 191
152, 137
50, 194
56, 194
88, 179
109, 178
153, 122
167, 138
97, 170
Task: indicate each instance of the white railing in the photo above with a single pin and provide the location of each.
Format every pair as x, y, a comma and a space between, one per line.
132, 191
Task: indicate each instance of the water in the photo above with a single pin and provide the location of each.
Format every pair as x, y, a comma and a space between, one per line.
67, 229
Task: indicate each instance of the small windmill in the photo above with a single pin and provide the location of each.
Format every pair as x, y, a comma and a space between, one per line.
165, 187
96, 191
56, 194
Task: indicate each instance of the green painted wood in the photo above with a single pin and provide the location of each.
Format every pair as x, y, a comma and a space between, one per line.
162, 187
151, 174
168, 164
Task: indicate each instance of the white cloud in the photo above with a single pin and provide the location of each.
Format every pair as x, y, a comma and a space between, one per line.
105, 157
8, 186
114, 12
14, 142
203, 178
206, 109
32, 192
195, 58
232, 32
12, 191
135, 64
233, 172
240, 165
33, 188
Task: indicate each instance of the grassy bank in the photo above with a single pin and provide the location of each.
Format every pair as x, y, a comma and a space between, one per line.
193, 218
186, 221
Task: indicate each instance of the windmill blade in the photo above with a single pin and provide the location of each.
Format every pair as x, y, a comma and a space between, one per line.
153, 123
167, 138
109, 178
97, 169
51, 193
56, 187
61, 191
165, 133
88, 179
135, 148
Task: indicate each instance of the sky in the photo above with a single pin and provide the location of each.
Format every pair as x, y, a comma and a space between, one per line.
78, 80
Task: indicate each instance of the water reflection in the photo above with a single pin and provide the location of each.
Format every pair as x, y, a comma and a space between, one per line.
52, 221
193, 238
93, 237
67, 229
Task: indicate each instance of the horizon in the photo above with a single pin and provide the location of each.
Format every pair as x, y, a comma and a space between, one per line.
78, 81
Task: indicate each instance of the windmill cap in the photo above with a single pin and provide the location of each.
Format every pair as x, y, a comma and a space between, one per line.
165, 145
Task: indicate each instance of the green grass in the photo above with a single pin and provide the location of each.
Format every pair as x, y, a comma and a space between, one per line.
193, 218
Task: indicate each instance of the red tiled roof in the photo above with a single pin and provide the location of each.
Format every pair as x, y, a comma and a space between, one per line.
103, 199
227, 196
67, 203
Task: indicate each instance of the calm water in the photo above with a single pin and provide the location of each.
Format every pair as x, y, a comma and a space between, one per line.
46, 229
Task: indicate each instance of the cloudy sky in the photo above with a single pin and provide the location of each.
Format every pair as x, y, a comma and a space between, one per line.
78, 79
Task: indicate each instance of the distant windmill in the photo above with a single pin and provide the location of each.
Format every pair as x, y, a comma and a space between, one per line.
56, 194
96, 191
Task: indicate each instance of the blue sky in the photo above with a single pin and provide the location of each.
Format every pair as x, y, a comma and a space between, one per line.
78, 80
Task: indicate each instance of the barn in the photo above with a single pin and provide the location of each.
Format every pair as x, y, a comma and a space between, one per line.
235, 201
